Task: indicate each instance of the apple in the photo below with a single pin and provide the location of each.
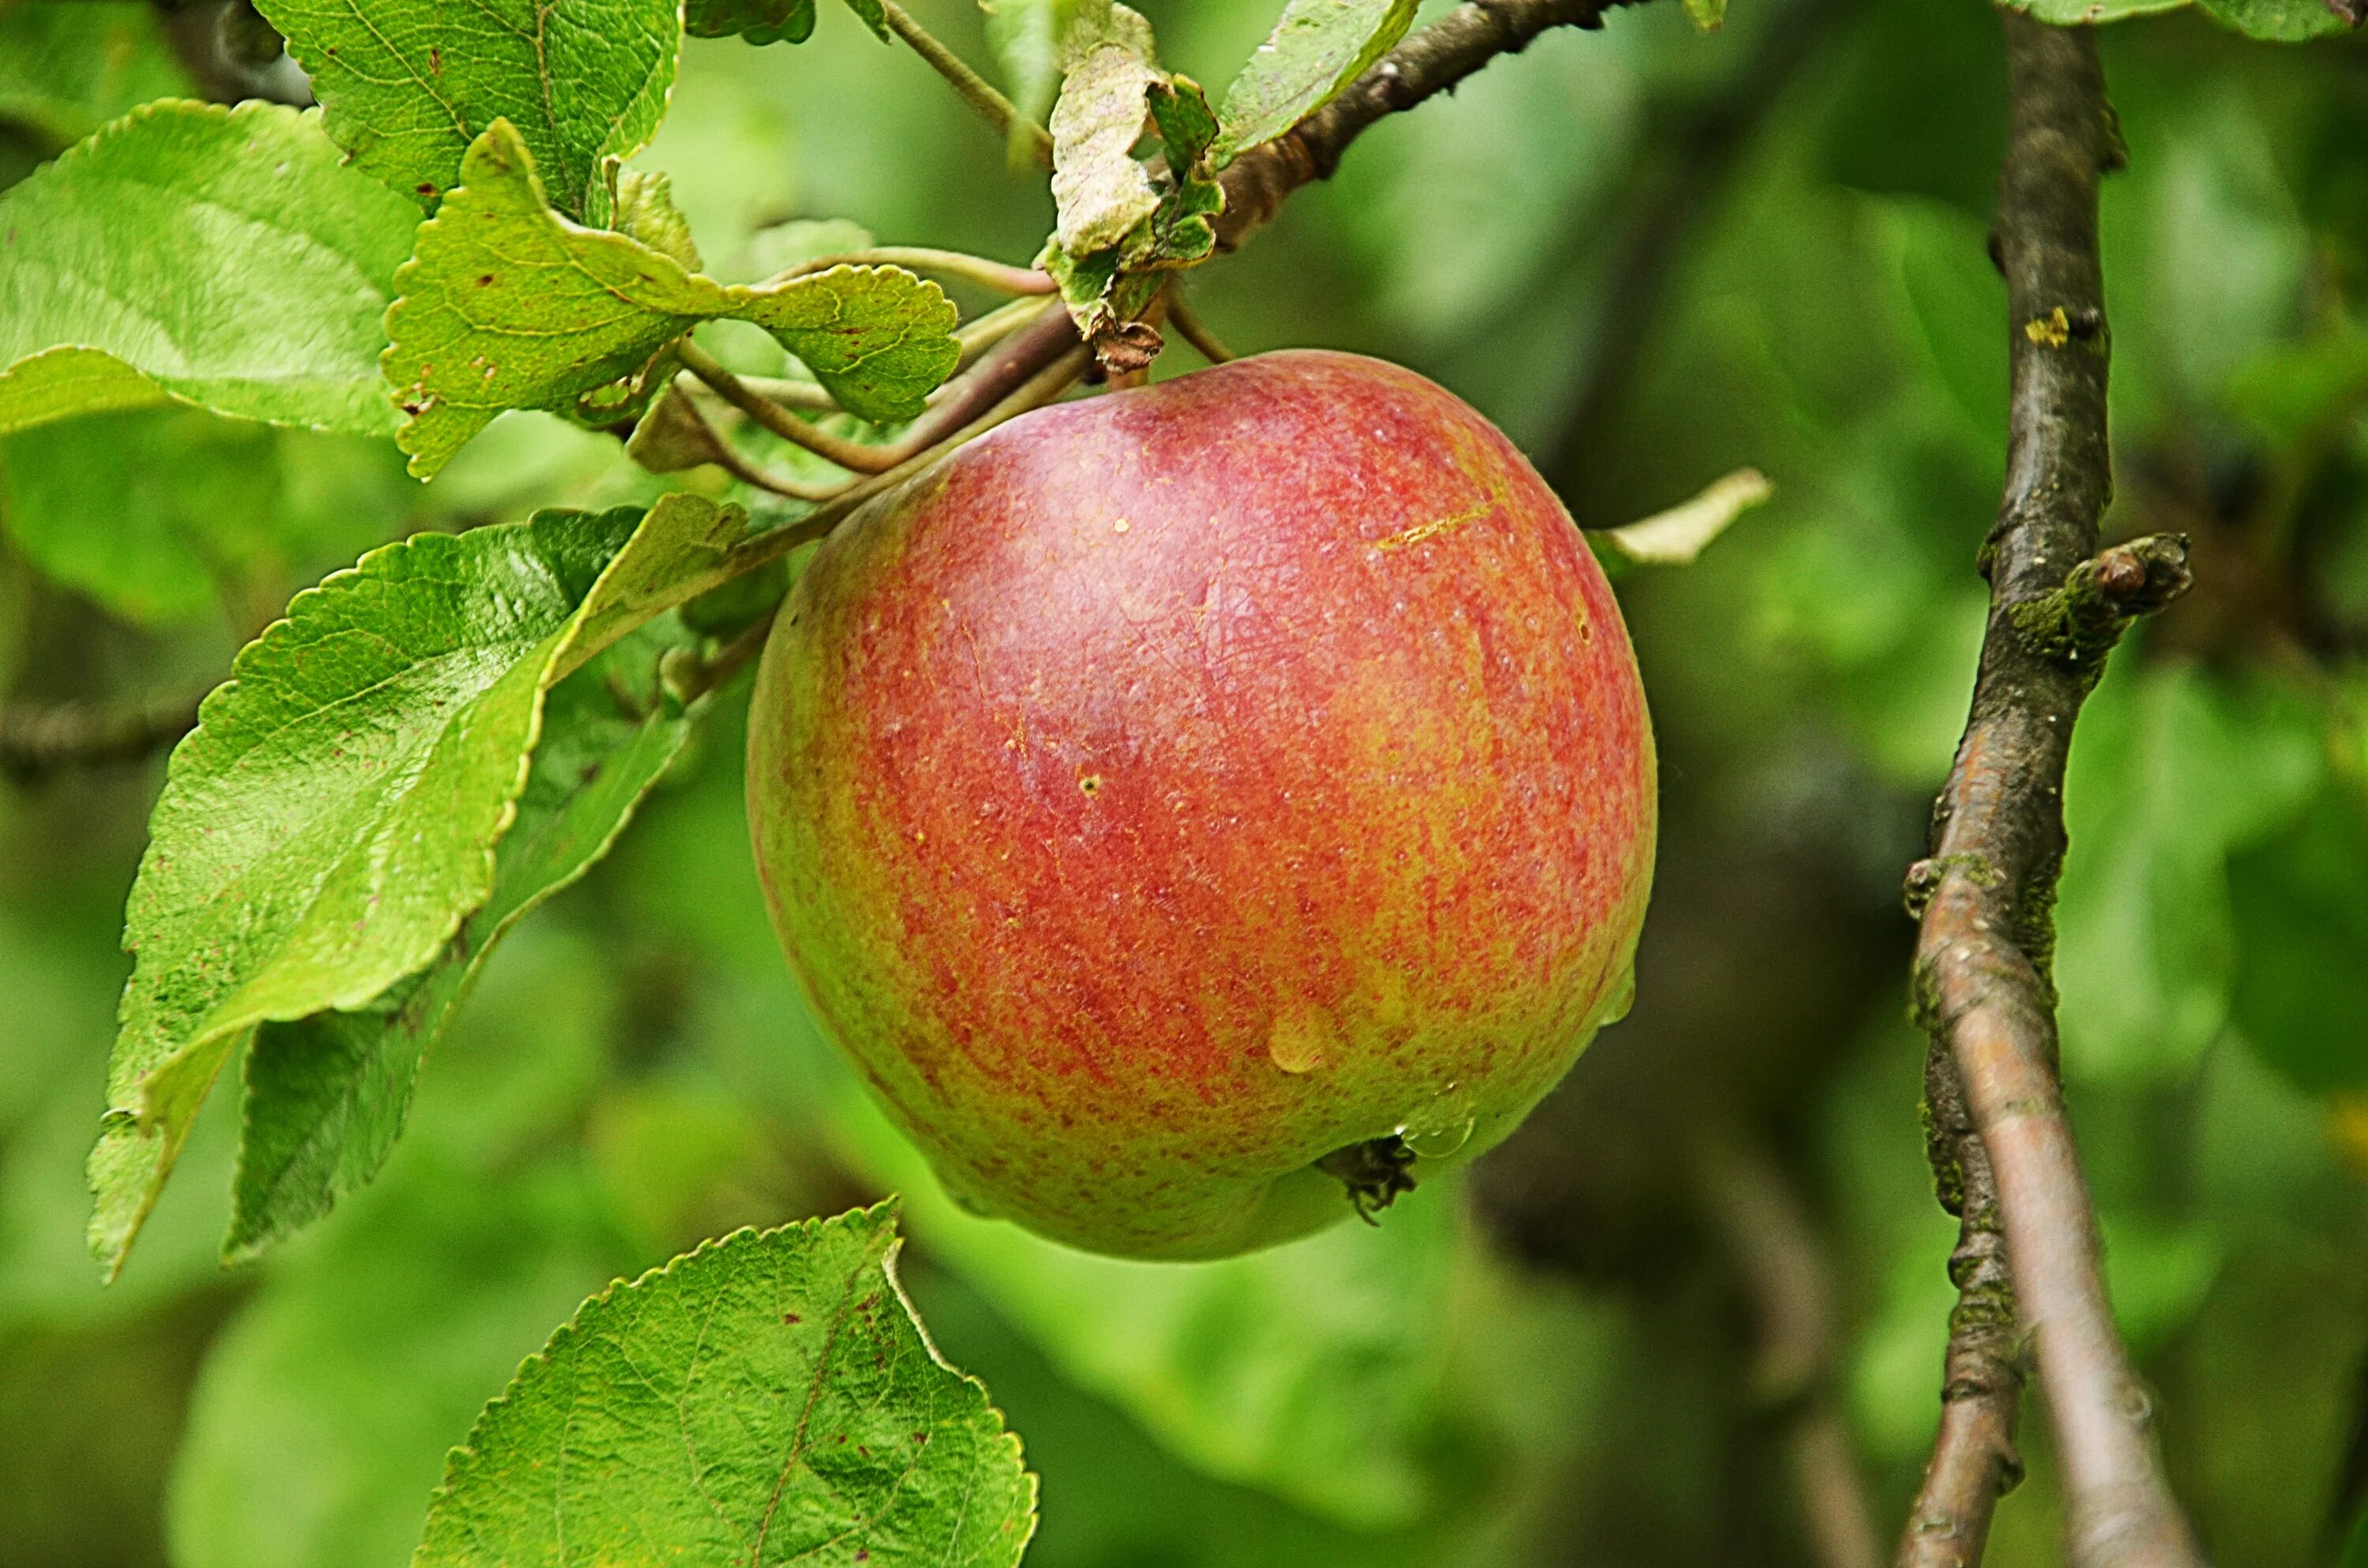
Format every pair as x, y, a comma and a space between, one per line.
1200, 810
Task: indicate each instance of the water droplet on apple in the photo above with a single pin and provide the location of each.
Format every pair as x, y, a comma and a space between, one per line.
1618, 1000
1440, 1140
1442, 1128
1297, 1041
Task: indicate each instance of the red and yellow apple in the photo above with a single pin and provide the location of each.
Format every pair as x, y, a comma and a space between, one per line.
1189, 806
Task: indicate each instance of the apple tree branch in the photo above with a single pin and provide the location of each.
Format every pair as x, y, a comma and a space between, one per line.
2002, 1147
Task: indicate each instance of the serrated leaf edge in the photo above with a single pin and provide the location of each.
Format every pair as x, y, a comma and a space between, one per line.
886, 1213
86, 148
237, 1249
739, 298
562, 645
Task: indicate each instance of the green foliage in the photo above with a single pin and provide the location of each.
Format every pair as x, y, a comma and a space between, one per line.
631, 1071
2175, 772
372, 748
1118, 223
770, 1396
408, 84
1307, 1370
1028, 38
2281, 21
321, 1423
509, 305
65, 70
2301, 902
874, 15
222, 257
2087, 12
327, 1097
152, 512
1317, 48
758, 21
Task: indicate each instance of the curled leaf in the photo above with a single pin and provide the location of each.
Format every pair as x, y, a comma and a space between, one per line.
1676, 536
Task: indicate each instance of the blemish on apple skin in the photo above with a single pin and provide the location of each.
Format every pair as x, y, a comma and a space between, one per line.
1091, 784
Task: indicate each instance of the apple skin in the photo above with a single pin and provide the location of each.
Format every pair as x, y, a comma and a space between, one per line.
1174, 786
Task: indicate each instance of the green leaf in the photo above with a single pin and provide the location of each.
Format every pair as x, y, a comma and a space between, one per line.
2089, 13
327, 1098
333, 820
780, 246
151, 512
2284, 21
1181, 233
1028, 38
1317, 48
758, 21
510, 305
1305, 1369
2173, 770
220, 257
875, 16
67, 70
1709, 15
2301, 905
169, 515
1188, 126
324, 1409
1102, 192
408, 84
645, 210
765, 1398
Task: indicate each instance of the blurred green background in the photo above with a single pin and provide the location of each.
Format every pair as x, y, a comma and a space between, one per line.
1653, 256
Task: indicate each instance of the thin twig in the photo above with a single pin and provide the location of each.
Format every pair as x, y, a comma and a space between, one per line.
978, 334
1196, 331
976, 89
1986, 893
972, 339
987, 273
676, 434
780, 389
38, 742
1020, 356
1047, 384
1783, 1267
857, 456
690, 677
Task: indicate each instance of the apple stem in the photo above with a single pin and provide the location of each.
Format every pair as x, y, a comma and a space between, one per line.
1196, 331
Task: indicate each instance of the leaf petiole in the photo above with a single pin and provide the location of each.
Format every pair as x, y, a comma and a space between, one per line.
999, 276
977, 91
